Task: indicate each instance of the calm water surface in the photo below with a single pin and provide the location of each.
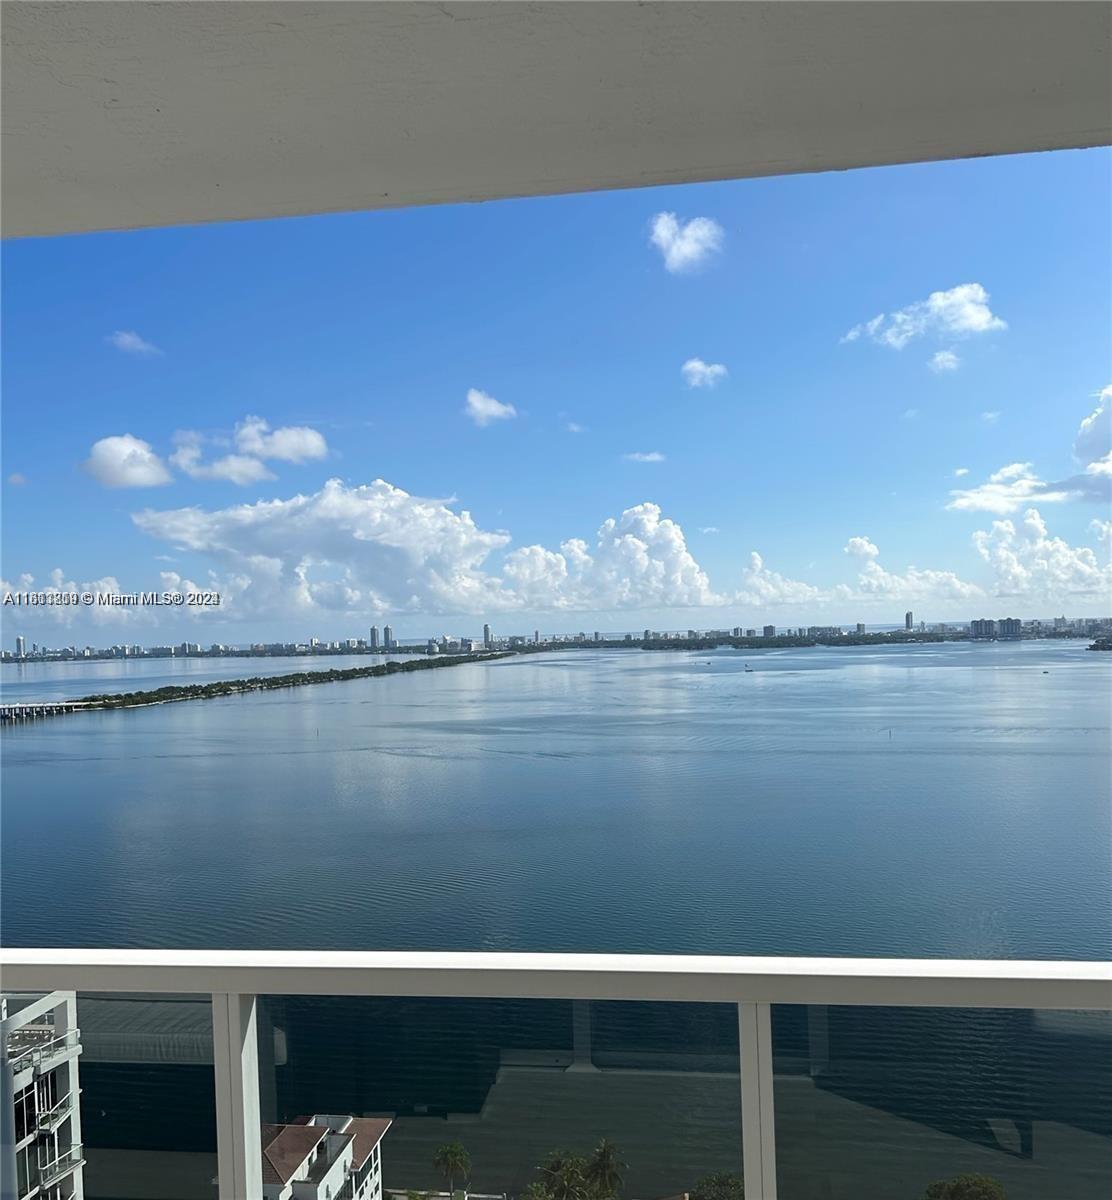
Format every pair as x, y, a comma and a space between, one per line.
948, 800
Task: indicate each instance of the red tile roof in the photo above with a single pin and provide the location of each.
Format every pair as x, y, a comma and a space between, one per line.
368, 1132
286, 1147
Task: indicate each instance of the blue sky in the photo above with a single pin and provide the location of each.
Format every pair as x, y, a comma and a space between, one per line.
355, 340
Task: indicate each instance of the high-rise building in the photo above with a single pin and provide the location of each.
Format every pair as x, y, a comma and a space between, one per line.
769, 631
488, 637
536, 637
648, 635
21, 647
860, 627
372, 641
909, 620
982, 629
39, 1047
388, 642
1009, 627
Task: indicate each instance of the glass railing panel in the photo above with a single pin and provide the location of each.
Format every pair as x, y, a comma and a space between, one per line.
148, 1120
516, 1084
890, 1102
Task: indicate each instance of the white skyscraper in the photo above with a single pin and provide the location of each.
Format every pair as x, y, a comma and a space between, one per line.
21, 647
40, 1131
372, 641
388, 638
488, 637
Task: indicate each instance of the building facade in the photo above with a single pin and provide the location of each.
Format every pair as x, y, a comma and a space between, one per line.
40, 1118
324, 1157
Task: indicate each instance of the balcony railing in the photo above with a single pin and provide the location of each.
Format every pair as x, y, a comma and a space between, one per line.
235, 978
53, 1169
40, 1054
48, 1119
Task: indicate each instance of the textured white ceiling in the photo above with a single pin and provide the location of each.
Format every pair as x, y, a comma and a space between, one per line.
119, 114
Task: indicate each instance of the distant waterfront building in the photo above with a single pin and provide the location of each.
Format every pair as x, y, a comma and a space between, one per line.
40, 1149
598, 636
1059, 624
909, 621
21, 647
1009, 627
433, 646
750, 633
372, 641
648, 635
860, 627
388, 642
324, 1157
488, 637
982, 629
769, 631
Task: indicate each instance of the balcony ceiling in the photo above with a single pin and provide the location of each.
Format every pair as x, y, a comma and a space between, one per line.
119, 115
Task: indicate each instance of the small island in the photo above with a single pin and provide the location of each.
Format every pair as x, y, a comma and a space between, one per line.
266, 683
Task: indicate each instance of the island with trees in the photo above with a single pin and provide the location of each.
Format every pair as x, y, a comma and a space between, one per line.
267, 683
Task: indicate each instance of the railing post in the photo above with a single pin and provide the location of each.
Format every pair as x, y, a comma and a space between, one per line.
235, 1051
758, 1127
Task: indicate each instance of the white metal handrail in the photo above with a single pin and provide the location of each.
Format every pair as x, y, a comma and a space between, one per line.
37, 1054
235, 977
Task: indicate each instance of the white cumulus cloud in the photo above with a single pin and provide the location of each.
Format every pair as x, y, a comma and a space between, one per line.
290, 443
126, 461
699, 374
960, 471
482, 409
130, 342
860, 547
1028, 562
685, 246
233, 468
959, 312
1005, 491
644, 456
944, 360
377, 549
762, 587
1094, 435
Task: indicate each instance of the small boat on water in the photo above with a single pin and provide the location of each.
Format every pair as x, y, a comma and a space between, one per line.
748, 669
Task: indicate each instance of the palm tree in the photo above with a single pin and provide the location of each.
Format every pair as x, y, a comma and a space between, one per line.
604, 1171
453, 1162
565, 1175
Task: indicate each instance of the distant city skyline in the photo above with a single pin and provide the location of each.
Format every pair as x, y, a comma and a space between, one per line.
383, 641
704, 405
